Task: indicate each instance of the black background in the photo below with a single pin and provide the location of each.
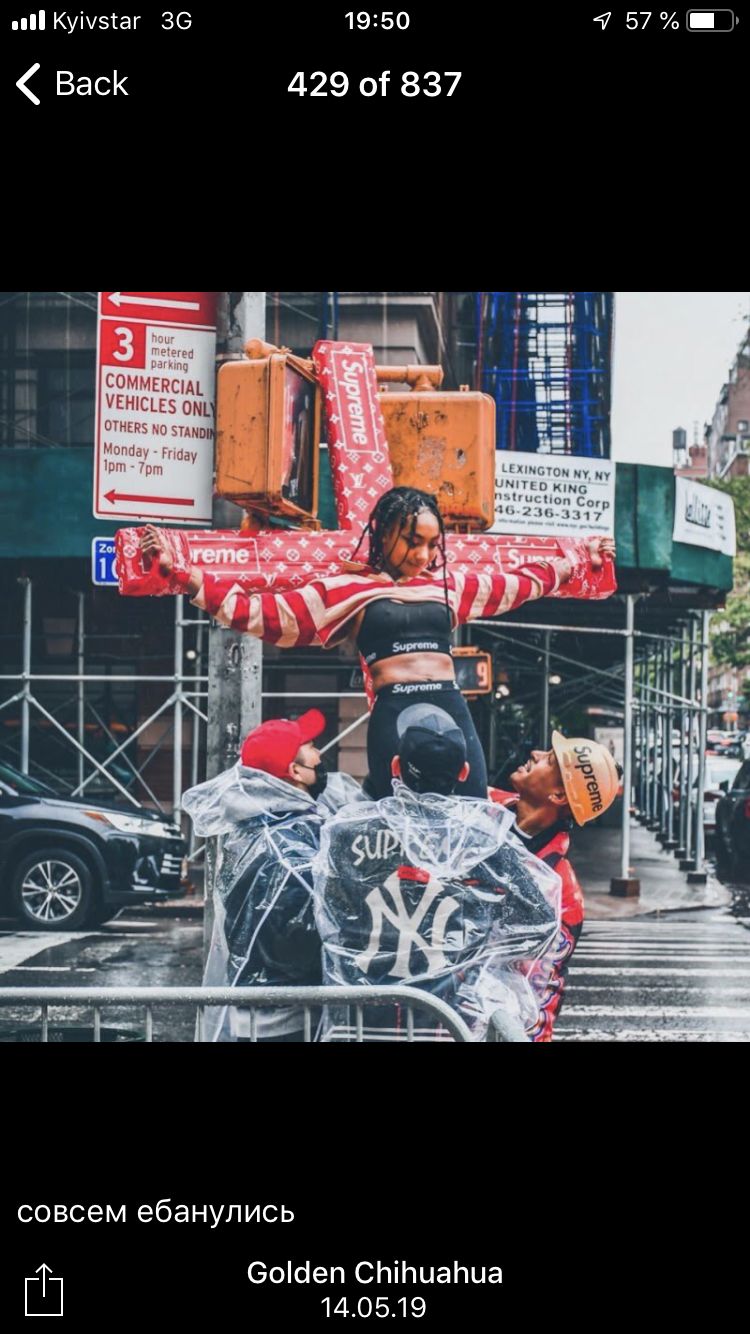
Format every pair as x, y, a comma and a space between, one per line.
524, 67
579, 1175
564, 147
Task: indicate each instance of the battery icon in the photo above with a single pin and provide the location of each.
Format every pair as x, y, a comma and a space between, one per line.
710, 20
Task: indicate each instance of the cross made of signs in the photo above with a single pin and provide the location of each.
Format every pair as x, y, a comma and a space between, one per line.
268, 424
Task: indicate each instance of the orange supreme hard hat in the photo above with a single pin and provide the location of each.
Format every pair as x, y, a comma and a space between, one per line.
589, 775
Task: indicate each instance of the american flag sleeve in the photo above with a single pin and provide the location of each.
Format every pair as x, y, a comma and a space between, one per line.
289, 619
483, 595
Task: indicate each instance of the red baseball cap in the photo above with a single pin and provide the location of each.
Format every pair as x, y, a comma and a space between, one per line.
272, 746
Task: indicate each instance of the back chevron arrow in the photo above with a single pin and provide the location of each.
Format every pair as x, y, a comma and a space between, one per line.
21, 83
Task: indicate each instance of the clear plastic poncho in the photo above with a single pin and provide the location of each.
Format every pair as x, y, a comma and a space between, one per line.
264, 930
428, 891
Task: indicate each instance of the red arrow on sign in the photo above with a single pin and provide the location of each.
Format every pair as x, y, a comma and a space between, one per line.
113, 495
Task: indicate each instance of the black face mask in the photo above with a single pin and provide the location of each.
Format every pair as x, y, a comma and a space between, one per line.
317, 788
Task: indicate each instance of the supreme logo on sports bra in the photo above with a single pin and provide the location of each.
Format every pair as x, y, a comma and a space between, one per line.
390, 628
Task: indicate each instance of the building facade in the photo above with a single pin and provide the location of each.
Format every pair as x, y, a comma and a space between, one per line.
59, 625
728, 436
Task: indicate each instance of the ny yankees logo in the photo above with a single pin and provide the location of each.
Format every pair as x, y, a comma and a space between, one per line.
407, 927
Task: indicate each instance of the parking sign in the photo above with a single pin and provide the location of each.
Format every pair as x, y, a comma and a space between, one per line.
154, 439
103, 562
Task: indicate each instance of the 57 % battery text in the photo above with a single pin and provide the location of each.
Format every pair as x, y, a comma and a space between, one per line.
430, 84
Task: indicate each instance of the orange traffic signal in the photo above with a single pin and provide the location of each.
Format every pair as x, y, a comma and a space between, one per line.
268, 433
443, 442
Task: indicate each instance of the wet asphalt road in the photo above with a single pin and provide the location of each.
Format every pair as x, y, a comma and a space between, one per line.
134, 949
678, 976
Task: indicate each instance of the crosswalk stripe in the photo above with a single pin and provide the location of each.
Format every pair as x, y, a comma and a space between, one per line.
641, 1035
658, 981
585, 970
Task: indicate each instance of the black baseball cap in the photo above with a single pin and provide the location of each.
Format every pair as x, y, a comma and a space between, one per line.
432, 749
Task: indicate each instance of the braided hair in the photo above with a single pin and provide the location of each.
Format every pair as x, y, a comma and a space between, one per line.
396, 508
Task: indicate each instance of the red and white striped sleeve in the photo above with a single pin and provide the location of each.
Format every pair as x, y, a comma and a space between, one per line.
286, 619
484, 595
313, 614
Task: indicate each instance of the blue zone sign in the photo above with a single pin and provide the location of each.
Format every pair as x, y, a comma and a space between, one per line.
103, 562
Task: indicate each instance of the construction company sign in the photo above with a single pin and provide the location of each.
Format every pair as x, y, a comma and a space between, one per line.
156, 376
553, 493
703, 517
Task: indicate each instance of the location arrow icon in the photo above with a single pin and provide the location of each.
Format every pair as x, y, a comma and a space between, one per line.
603, 19
21, 83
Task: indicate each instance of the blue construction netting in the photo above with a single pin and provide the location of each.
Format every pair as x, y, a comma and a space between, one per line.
546, 357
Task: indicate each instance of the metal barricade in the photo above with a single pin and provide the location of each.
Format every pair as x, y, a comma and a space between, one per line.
99, 999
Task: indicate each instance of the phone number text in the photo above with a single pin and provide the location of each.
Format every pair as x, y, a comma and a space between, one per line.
593, 512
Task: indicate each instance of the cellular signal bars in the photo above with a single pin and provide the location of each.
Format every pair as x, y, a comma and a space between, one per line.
34, 23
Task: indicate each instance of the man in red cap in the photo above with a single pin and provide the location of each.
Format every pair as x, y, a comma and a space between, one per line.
283, 748
267, 813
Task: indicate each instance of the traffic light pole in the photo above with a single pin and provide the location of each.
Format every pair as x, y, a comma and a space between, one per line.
234, 659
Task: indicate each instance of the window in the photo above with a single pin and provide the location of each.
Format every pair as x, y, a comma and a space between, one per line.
47, 368
66, 404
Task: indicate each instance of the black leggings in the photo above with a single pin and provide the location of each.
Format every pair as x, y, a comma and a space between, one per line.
383, 739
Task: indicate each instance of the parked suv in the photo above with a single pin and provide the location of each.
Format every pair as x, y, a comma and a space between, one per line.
733, 818
66, 862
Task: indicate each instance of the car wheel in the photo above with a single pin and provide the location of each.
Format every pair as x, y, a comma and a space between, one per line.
722, 851
52, 890
723, 841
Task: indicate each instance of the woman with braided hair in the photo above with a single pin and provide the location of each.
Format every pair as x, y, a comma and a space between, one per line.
399, 608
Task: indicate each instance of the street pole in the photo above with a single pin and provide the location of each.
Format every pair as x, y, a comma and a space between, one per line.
545, 691
81, 664
671, 841
680, 852
687, 863
177, 729
698, 876
627, 886
653, 824
641, 738
234, 659
25, 710
195, 725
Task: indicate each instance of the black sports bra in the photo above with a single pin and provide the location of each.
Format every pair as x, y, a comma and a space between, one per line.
390, 628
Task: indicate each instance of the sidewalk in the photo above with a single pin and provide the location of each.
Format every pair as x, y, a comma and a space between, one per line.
595, 854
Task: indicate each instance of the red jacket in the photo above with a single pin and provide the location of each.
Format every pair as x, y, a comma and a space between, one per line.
553, 853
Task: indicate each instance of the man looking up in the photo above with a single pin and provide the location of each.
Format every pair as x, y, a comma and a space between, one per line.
576, 780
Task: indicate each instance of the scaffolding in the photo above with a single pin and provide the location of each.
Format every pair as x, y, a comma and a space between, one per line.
659, 689
186, 693
545, 358
660, 684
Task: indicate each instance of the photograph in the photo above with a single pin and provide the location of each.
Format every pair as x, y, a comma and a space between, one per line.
375, 668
